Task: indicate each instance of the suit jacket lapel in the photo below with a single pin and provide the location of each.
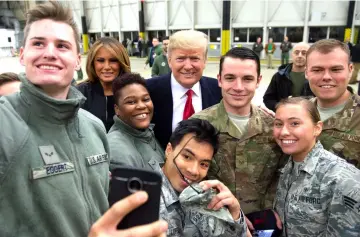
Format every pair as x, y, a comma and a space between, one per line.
167, 103
205, 93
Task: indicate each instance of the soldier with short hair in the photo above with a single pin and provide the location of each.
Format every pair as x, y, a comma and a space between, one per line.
248, 158
318, 192
192, 208
49, 184
328, 70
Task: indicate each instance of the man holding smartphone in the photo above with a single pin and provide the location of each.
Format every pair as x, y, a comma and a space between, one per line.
188, 155
50, 184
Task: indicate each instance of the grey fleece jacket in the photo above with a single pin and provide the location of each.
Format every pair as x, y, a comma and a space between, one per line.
53, 165
132, 147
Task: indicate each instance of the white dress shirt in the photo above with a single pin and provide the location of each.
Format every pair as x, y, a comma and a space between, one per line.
179, 99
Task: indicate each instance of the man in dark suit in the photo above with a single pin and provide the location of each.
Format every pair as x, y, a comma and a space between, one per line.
178, 95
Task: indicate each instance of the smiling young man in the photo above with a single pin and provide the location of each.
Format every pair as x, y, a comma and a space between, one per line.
329, 70
188, 157
50, 185
184, 91
248, 156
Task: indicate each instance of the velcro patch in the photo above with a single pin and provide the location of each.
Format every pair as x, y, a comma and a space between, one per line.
96, 159
53, 169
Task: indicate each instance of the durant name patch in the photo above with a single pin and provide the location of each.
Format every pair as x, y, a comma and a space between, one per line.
96, 159
53, 169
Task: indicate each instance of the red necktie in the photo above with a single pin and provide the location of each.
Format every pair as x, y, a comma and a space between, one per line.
189, 109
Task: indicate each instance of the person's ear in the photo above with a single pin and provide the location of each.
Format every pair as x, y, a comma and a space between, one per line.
168, 150
21, 56
219, 80
117, 110
78, 62
258, 81
318, 128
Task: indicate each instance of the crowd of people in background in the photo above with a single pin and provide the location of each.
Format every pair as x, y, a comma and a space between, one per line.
292, 168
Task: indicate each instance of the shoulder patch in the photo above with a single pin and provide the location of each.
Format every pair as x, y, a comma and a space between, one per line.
351, 204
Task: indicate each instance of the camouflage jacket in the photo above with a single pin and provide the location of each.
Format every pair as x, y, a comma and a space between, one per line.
341, 132
187, 215
323, 199
247, 164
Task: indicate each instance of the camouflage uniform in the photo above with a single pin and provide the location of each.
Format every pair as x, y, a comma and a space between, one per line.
341, 132
246, 163
186, 217
321, 198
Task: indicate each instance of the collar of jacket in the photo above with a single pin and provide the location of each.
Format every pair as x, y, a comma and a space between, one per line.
285, 70
223, 122
97, 87
53, 110
145, 135
170, 196
310, 162
341, 120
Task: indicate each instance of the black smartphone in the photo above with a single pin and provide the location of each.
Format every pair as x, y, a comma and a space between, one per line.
127, 180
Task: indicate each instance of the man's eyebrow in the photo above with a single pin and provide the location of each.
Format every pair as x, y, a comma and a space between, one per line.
190, 151
206, 160
193, 154
43, 38
229, 74
37, 38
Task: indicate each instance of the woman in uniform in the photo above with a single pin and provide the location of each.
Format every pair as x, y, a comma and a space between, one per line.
318, 193
131, 139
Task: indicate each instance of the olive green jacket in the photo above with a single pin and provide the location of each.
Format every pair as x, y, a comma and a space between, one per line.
341, 132
246, 163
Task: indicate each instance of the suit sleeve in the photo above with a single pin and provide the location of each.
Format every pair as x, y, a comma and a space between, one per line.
270, 96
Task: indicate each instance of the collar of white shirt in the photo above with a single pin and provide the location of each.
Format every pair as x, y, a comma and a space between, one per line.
178, 91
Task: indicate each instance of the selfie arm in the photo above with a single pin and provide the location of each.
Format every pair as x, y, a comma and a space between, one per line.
107, 224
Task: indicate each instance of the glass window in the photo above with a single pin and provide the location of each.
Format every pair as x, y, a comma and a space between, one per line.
215, 35
240, 35
277, 34
337, 32
295, 34
254, 33
317, 33
116, 35
161, 34
205, 31
135, 35
127, 35
151, 34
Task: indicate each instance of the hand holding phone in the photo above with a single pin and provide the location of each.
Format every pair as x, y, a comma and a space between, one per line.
126, 181
106, 225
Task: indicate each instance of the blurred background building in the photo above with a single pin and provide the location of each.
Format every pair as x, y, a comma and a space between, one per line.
227, 23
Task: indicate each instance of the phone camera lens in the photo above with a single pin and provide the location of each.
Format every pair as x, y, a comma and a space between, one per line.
134, 185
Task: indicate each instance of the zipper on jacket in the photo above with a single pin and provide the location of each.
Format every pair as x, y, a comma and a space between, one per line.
106, 110
84, 189
287, 203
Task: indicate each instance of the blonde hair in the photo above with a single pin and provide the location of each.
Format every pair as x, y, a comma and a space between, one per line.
188, 39
115, 48
55, 11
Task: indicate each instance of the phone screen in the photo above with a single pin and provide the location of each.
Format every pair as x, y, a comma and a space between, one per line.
264, 233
